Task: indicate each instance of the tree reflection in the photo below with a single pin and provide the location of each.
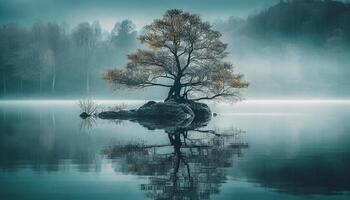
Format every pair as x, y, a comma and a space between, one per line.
191, 166
87, 124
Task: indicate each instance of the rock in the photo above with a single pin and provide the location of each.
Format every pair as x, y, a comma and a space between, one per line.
170, 116
148, 104
84, 115
122, 114
165, 110
168, 109
200, 110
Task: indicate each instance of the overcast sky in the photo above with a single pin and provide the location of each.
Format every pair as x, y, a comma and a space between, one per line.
110, 11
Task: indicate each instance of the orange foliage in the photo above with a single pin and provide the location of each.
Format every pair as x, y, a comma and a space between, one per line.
108, 76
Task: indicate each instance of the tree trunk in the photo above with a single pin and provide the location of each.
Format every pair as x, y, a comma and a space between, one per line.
40, 86
177, 153
4, 84
87, 81
170, 93
53, 118
21, 86
53, 84
4, 116
175, 90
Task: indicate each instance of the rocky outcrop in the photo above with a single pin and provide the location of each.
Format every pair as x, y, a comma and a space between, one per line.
200, 110
165, 110
160, 110
84, 115
122, 114
164, 115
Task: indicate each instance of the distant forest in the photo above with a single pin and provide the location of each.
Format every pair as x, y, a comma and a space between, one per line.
50, 59
319, 22
293, 49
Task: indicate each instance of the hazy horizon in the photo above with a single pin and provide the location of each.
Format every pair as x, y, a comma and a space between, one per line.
108, 12
305, 64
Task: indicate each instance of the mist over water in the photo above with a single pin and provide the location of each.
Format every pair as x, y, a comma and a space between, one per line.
295, 150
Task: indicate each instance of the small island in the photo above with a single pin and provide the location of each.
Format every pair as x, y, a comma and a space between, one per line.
185, 55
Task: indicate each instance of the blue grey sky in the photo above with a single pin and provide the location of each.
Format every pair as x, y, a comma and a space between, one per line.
110, 11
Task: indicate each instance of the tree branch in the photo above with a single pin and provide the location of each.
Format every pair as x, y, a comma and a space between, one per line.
149, 84
214, 96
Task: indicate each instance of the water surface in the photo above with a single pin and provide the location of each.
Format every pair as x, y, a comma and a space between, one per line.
271, 150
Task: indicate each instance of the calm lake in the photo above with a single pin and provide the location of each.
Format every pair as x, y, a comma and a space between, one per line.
265, 150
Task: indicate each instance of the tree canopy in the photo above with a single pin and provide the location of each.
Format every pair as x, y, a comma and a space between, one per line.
185, 55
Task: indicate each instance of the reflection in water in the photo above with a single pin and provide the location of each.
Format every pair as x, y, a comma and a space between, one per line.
35, 138
318, 174
191, 166
87, 124
45, 155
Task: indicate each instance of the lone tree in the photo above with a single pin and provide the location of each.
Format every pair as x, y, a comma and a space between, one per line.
185, 55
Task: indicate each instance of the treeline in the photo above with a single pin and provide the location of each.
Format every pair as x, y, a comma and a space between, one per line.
318, 22
281, 47
51, 58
